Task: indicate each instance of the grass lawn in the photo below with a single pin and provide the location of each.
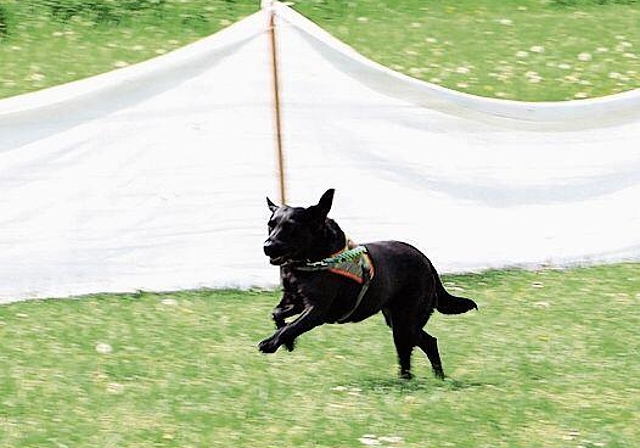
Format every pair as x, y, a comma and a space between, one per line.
550, 360
525, 50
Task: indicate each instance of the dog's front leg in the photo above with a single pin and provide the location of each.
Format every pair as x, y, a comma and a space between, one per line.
311, 317
280, 313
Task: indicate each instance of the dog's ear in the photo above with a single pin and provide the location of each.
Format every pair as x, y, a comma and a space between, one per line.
321, 210
273, 207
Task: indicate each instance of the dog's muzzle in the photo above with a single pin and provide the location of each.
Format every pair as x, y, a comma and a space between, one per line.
275, 252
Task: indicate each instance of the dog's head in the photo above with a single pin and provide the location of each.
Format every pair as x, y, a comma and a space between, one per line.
294, 230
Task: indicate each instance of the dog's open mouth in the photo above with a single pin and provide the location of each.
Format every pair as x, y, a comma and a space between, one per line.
277, 261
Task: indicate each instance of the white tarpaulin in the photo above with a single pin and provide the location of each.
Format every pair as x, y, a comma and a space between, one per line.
154, 176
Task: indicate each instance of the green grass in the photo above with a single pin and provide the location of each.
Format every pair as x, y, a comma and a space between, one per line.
527, 50
550, 360
44, 46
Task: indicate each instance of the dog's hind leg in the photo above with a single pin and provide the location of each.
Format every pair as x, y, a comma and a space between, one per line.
403, 338
403, 343
429, 345
387, 317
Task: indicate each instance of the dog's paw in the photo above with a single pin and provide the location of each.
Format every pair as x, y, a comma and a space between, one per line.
290, 345
269, 345
405, 375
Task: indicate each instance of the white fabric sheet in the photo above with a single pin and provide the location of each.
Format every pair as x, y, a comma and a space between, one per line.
154, 177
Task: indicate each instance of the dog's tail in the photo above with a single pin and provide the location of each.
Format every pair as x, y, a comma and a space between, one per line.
449, 304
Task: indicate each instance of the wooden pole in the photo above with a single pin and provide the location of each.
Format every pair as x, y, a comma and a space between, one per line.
277, 108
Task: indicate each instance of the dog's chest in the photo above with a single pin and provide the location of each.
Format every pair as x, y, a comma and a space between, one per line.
343, 285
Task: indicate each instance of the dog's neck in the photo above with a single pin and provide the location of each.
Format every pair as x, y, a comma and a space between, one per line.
332, 240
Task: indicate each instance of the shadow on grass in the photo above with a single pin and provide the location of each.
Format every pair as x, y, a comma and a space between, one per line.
396, 385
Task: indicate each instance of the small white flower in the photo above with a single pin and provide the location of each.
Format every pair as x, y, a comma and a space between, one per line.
505, 22
564, 66
169, 302
537, 49
585, 57
534, 77
120, 64
369, 440
602, 49
103, 349
462, 85
137, 47
115, 388
462, 70
630, 56
36, 77
581, 95
391, 439
363, 19
522, 54
431, 40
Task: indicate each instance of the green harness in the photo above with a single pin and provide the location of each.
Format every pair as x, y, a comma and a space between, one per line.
354, 264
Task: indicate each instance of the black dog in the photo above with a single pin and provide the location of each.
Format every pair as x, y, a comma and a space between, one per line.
403, 283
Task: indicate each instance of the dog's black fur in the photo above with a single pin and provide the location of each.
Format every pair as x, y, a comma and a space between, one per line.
405, 287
